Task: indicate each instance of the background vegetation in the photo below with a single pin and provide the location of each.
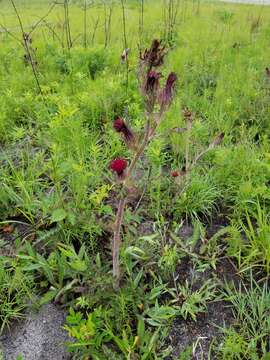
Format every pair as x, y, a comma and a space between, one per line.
57, 194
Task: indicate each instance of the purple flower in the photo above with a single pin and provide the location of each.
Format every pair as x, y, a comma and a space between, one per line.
166, 95
152, 82
154, 57
118, 165
121, 127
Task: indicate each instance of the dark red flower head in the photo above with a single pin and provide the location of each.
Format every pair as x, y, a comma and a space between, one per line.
150, 88
166, 95
120, 126
175, 173
118, 165
152, 82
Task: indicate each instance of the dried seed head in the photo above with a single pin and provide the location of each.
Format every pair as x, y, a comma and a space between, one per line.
118, 165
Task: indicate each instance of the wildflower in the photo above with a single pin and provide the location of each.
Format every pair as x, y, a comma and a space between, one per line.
175, 173
166, 95
150, 88
118, 165
153, 57
121, 126
152, 82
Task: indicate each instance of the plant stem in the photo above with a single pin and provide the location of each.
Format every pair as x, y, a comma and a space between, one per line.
85, 24
189, 125
67, 24
125, 42
141, 22
117, 239
121, 205
140, 150
27, 48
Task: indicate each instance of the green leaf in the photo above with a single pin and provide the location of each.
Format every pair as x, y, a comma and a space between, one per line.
32, 267
140, 328
58, 215
48, 296
78, 265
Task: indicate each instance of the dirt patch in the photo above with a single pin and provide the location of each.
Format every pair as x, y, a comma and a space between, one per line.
39, 337
198, 335
10, 233
201, 333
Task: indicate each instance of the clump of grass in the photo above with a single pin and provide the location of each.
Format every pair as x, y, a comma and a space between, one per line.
250, 336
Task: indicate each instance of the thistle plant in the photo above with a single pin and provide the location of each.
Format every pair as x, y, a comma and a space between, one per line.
157, 100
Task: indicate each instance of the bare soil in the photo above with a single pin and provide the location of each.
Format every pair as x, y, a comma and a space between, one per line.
39, 337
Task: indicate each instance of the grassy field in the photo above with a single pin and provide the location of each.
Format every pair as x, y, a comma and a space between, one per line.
194, 230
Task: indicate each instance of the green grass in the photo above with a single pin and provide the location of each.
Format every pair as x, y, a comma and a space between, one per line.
55, 151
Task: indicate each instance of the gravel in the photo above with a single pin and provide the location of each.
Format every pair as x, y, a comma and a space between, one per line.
39, 337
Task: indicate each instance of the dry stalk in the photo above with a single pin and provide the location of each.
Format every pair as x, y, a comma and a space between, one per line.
125, 42
27, 49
